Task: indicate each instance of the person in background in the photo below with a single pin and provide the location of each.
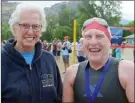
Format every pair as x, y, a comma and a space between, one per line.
118, 51
44, 44
80, 51
102, 78
3, 42
113, 52
59, 46
65, 54
49, 47
134, 54
28, 73
123, 44
54, 47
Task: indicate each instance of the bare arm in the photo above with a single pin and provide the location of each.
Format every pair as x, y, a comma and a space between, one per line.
68, 94
126, 76
52, 48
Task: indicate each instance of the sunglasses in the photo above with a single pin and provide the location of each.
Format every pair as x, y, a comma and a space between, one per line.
98, 20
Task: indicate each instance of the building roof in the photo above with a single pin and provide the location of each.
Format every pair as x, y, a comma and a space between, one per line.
130, 36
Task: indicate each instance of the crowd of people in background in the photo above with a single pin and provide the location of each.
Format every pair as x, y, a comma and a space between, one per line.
58, 48
61, 48
117, 52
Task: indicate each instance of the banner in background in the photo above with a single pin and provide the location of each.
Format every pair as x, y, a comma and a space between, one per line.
117, 35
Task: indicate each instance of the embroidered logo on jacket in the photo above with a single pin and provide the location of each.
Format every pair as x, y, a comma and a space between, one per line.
47, 80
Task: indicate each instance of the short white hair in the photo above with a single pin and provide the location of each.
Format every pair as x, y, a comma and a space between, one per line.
16, 15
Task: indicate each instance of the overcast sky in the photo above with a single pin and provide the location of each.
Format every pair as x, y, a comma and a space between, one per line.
127, 7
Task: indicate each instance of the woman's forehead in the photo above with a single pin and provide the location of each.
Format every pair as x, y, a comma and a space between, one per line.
29, 15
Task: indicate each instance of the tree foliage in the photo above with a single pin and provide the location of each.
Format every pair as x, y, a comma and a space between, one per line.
126, 32
109, 10
5, 32
61, 24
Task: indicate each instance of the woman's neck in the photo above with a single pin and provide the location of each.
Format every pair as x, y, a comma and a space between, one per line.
21, 48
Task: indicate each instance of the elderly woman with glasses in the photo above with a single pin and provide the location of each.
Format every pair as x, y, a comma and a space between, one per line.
29, 74
101, 78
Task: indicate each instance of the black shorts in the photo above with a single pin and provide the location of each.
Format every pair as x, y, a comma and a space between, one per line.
54, 52
58, 53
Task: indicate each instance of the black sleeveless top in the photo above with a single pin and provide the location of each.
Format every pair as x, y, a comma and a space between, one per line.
111, 90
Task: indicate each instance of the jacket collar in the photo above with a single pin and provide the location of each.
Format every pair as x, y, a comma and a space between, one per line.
13, 54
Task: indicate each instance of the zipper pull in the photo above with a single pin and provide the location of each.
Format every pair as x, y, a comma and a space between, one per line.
30, 67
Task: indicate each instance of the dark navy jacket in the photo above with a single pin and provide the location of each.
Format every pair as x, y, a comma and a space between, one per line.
23, 83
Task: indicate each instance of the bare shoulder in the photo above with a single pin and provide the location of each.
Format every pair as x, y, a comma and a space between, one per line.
71, 74
72, 68
127, 63
126, 72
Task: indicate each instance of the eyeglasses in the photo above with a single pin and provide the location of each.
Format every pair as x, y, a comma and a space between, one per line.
35, 27
98, 20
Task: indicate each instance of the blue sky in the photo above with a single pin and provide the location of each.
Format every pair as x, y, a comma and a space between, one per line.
127, 7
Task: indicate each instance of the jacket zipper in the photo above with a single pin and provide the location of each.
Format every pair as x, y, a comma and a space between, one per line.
30, 67
31, 82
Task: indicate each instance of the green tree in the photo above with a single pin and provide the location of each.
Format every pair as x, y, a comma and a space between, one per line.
46, 36
64, 17
52, 23
62, 31
109, 10
128, 32
130, 24
5, 32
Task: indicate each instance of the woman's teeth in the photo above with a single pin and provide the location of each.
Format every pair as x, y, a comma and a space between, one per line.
94, 50
29, 38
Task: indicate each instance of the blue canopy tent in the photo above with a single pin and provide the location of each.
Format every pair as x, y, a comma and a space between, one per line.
117, 35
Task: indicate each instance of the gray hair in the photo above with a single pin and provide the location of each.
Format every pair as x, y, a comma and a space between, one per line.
16, 14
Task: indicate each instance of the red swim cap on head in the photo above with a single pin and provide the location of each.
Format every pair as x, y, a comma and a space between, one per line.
95, 25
